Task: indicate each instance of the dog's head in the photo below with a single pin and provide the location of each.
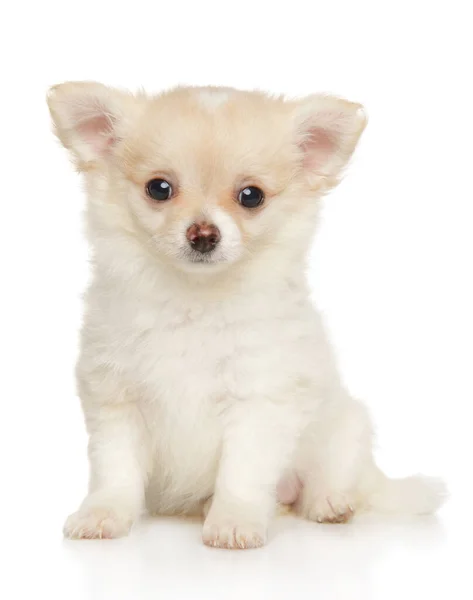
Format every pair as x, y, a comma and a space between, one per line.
204, 177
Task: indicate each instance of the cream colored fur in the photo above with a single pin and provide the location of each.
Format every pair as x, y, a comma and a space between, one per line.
211, 386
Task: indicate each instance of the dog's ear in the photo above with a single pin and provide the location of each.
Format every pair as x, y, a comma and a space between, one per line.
327, 131
89, 118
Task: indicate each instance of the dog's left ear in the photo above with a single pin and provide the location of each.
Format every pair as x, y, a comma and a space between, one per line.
327, 131
90, 118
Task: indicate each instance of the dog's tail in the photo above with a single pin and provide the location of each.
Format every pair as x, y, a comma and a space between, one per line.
415, 495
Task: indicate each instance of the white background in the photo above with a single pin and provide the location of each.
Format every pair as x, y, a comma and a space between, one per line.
391, 270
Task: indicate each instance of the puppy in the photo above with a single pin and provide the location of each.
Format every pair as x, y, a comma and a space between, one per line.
206, 379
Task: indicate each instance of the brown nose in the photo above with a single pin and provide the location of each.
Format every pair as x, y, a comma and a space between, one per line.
203, 237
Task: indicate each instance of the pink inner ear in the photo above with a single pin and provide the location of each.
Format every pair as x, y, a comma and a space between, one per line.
98, 132
318, 147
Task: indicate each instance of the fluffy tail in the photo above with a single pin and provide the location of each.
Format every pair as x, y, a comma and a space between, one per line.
415, 495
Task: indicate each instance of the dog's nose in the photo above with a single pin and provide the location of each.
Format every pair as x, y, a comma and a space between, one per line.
203, 237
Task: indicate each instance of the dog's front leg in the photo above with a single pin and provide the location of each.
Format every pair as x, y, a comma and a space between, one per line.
119, 457
258, 441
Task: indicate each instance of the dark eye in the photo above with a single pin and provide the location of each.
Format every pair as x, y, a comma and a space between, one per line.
251, 197
159, 189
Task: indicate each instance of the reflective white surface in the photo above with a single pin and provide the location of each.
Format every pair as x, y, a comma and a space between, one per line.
370, 558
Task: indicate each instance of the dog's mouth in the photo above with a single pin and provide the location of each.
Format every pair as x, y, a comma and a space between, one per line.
207, 259
188, 258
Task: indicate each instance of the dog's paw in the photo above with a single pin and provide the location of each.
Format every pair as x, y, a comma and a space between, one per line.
96, 523
233, 534
326, 508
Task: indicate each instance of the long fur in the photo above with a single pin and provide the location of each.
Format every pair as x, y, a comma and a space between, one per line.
211, 386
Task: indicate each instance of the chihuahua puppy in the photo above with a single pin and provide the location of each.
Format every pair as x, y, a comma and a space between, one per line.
206, 379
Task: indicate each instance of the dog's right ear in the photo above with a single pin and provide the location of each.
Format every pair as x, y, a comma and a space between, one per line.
327, 130
89, 118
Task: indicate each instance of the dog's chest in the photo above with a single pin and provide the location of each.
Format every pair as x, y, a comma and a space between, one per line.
188, 358
202, 353
196, 357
